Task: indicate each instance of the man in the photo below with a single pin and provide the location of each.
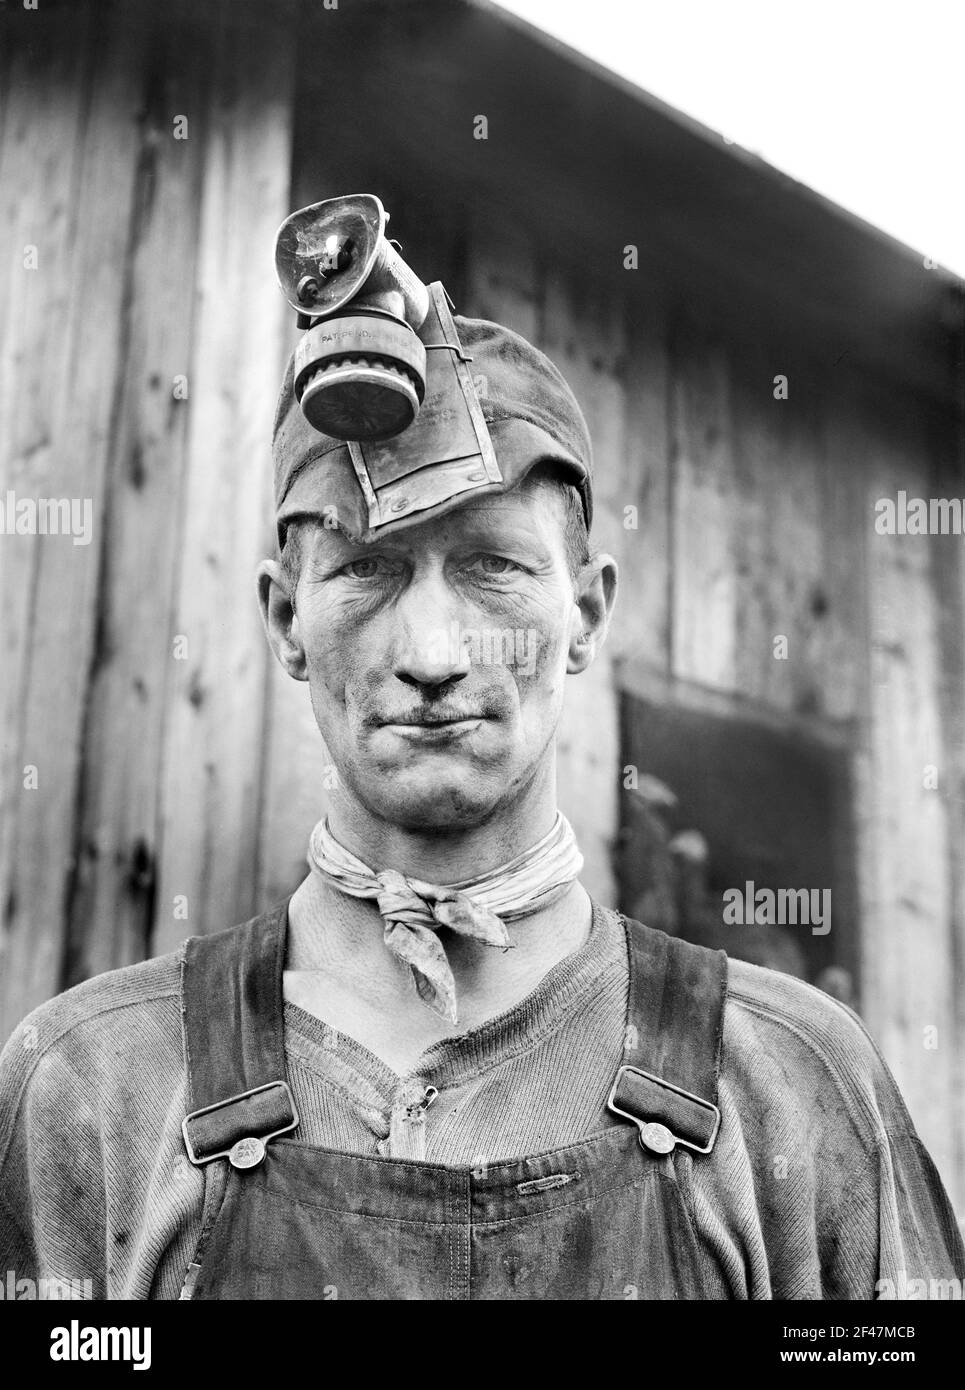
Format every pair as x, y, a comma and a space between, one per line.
439, 1070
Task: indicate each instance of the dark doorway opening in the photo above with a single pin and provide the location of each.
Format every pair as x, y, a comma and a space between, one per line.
713, 803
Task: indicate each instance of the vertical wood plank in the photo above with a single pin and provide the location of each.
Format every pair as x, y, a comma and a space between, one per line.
214, 743
903, 824
118, 834
777, 535
60, 365
947, 555
704, 600
845, 535
44, 94
642, 623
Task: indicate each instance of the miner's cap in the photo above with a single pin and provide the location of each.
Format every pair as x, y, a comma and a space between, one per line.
531, 415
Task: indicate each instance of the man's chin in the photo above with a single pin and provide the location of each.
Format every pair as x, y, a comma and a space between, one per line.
432, 793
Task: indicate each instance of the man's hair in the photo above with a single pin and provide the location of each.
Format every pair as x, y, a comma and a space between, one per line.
575, 535
543, 475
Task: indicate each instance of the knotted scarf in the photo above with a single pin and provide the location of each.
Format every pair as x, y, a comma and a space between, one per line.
413, 910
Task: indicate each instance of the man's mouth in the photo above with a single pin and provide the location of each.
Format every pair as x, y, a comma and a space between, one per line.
426, 719
433, 727
434, 723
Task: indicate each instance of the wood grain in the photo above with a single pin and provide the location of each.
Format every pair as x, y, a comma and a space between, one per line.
117, 832
75, 97
214, 737
903, 825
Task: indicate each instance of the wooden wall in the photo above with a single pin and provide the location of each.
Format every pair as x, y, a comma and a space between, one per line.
179, 770
138, 368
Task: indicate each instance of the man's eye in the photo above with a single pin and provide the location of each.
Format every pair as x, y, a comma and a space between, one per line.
369, 567
493, 564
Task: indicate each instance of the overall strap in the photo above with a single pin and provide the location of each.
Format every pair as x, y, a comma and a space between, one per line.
668, 1084
234, 1041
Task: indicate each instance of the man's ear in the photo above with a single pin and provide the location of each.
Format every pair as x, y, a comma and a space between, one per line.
278, 616
596, 591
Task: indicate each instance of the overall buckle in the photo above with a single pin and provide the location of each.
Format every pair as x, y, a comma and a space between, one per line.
666, 1115
239, 1128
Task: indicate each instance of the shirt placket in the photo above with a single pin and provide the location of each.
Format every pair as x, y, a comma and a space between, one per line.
407, 1118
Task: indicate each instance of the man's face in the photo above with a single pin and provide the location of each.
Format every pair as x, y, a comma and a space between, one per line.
436, 656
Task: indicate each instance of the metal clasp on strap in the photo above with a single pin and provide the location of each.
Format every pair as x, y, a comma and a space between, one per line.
239, 1128
655, 1134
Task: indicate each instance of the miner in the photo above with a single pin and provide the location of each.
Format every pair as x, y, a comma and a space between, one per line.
439, 1070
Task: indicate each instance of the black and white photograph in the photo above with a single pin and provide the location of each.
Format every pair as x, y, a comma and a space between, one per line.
482, 661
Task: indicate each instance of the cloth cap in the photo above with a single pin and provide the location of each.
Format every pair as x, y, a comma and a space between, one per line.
531, 414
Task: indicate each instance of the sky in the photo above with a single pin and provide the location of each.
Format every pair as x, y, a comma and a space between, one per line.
862, 100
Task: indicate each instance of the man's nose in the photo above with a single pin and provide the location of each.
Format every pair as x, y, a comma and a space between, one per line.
430, 650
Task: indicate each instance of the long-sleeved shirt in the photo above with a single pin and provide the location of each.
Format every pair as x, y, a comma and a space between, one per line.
817, 1187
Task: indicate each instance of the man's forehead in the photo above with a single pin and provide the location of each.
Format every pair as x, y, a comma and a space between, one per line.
508, 513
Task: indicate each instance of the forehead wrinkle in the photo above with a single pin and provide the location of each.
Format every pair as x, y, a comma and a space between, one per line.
510, 511
480, 518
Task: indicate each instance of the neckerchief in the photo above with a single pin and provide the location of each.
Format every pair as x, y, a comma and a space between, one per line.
413, 910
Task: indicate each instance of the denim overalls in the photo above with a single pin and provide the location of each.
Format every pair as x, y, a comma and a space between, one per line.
606, 1218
